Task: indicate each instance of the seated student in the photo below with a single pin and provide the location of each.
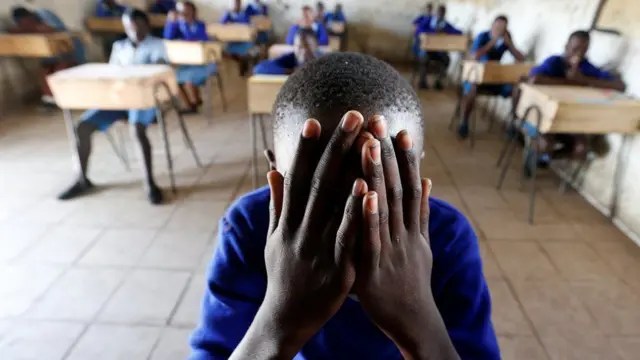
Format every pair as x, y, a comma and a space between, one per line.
305, 48
570, 68
109, 9
308, 22
410, 305
257, 8
320, 13
488, 46
42, 21
241, 51
436, 24
185, 25
337, 16
424, 17
139, 48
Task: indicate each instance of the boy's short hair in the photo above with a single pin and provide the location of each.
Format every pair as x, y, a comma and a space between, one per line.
18, 13
329, 86
580, 34
137, 14
306, 8
501, 18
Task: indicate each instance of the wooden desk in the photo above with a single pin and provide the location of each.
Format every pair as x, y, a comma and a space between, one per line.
32, 45
276, 50
493, 72
262, 93
444, 42
573, 110
334, 43
114, 24
232, 32
110, 87
337, 27
261, 23
193, 52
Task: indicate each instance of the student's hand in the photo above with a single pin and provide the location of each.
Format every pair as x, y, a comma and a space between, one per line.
172, 16
394, 269
507, 39
310, 241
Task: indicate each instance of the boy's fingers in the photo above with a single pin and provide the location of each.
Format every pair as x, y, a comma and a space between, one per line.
374, 175
276, 187
351, 219
371, 244
424, 208
410, 173
298, 178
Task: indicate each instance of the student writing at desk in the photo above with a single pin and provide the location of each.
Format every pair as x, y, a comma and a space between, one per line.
139, 48
109, 9
571, 68
435, 25
258, 8
488, 46
305, 48
240, 51
184, 24
308, 22
419, 290
44, 21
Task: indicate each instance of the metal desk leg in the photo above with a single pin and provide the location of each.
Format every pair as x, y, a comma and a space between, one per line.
73, 136
185, 132
208, 113
221, 89
511, 123
167, 148
621, 167
533, 163
265, 143
119, 149
254, 149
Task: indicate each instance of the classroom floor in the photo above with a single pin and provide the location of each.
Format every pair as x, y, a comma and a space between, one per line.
111, 277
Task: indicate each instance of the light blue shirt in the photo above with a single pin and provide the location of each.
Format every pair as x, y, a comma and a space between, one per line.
150, 51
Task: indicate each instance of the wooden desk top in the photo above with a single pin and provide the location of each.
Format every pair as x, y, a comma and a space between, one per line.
494, 72
261, 23
193, 52
263, 91
35, 45
232, 32
114, 24
444, 42
276, 50
111, 87
572, 109
337, 27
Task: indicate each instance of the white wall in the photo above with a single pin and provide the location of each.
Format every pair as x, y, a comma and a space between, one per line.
538, 26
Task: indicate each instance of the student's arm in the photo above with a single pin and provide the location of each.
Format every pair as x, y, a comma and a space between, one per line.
226, 18
200, 33
451, 30
282, 65
323, 35
595, 77
512, 48
481, 46
235, 288
291, 35
550, 72
171, 30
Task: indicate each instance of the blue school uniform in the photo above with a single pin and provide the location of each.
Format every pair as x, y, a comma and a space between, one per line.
432, 25
163, 7
236, 285
335, 17
50, 18
237, 47
259, 9
196, 31
278, 66
150, 51
102, 10
495, 54
321, 33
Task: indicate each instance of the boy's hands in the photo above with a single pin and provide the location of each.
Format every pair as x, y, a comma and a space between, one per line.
394, 272
308, 254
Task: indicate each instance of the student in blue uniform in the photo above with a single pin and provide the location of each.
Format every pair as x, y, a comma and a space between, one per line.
305, 48
241, 52
321, 13
185, 25
435, 24
283, 292
488, 46
139, 48
257, 8
308, 22
337, 16
163, 7
43, 21
571, 68
107, 9
424, 17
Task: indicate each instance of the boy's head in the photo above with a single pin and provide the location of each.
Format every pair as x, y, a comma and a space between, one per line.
23, 18
237, 5
428, 9
320, 7
305, 45
110, 3
577, 45
307, 15
187, 10
338, 8
327, 87
499, 26
136, 25
441, 12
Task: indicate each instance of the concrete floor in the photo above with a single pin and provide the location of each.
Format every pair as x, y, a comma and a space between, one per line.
111, 277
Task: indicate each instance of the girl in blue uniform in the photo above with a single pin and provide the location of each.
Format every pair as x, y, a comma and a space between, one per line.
305, 48
239, 50
337, 16
257, 8
308, 22
186, 26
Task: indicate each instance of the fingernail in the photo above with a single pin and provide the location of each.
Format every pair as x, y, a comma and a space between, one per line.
371, 202
311, 129
404, 140
351, 121
429, 186
378, 126
359, 187
374, 151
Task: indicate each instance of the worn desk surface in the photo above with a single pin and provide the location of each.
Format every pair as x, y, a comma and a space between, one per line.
231, 32
263, 91
276, 50
35, 45
111, 87
193, 52
114, 24
444, 42
261, 23
572, 109
493, 72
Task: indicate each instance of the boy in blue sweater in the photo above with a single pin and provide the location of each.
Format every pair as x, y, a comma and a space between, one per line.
185, 25
241, 51
488, 46
434, 25
281, 281
308, 22
305, 48
257, 8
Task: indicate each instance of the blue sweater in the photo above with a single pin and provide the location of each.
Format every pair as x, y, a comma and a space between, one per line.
556, 66
495, 54
321, 34
236, 285
180, 30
